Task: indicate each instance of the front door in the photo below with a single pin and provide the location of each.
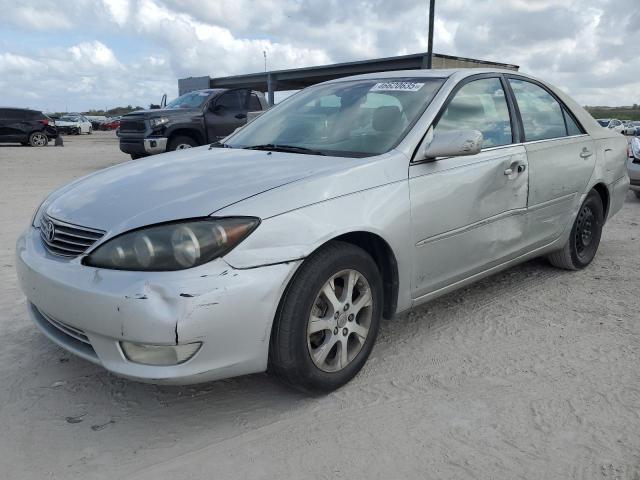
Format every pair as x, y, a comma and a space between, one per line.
226, 113
469, 213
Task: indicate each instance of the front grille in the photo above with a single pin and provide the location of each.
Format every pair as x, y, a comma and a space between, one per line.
66, 239
132, 126
66, 329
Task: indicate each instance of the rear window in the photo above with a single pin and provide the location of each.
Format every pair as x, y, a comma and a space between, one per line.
542, 116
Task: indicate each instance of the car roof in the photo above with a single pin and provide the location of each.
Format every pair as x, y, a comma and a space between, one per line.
18, 108
434, 73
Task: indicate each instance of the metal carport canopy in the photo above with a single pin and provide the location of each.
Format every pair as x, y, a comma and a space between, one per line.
298, 78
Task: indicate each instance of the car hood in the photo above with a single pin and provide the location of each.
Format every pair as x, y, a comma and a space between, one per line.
160, 112
179, 185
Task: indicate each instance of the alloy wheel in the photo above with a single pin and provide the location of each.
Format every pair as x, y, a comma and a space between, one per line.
39, 140
339, 321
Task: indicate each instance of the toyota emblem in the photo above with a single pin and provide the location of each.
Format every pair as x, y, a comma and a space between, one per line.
48, 229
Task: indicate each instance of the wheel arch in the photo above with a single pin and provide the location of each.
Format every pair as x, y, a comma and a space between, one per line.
382, 255
187, 132
605, 196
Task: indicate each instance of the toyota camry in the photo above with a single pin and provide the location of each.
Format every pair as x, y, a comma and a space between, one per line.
283, 246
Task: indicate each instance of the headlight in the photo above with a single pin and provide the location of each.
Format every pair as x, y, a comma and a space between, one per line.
172, 246
35, 220
156, 122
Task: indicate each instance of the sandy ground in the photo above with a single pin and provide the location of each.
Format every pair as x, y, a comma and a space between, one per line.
531, 374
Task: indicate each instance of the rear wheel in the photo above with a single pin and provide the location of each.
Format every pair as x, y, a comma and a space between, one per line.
328, 320
38, 139
181, 143
582, 246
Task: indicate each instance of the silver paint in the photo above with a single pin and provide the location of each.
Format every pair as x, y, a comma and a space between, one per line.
447, 223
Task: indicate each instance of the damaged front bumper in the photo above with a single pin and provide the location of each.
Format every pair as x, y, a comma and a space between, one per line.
90, 311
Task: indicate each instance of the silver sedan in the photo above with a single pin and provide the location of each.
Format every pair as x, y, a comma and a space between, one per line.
283, 246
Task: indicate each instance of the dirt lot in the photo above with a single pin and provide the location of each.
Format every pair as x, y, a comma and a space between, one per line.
531, 374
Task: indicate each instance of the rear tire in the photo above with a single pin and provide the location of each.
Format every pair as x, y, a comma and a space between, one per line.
319, 343
135, 156
582, 246
38, 139
181, 142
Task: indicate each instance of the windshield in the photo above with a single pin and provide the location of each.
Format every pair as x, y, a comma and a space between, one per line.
191, 99
357, 118
603, 123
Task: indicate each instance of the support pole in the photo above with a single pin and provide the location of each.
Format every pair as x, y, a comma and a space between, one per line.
428, 61
271, 85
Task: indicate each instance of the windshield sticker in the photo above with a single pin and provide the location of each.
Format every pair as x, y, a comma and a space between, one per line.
397, 87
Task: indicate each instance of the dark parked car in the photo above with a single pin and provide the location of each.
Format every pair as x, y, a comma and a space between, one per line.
193, 119
28, 127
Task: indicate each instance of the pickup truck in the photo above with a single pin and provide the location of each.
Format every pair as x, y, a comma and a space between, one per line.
193, 119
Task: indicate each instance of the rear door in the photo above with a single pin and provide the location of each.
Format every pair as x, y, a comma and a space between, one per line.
13, 125
468, 213
561, 159
226, 112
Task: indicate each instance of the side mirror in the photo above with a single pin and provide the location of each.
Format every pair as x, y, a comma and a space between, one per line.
455, 143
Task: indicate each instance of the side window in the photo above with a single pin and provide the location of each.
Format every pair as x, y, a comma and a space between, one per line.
542, 116
13, 114
254, 103
234, 100
479, 105
572, 126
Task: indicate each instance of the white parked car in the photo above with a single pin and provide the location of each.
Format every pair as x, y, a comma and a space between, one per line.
286, 245
74, 124
612, 124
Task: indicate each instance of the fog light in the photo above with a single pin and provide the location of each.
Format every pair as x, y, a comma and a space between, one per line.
159, 354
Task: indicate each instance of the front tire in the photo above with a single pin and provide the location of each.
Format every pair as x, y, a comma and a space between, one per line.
582, 246
328, 319
181, 143
38, 139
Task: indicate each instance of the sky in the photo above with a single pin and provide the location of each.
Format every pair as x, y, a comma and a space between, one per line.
82, 54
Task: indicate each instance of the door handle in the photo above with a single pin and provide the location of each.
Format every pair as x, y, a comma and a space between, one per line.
585, 153
519, 169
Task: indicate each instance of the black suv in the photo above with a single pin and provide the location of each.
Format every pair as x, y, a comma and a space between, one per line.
193, 119
28, 127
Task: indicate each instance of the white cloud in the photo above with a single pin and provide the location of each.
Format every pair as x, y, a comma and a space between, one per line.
578, 44
118, 10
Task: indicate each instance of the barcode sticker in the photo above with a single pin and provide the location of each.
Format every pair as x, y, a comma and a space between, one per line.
397, 87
